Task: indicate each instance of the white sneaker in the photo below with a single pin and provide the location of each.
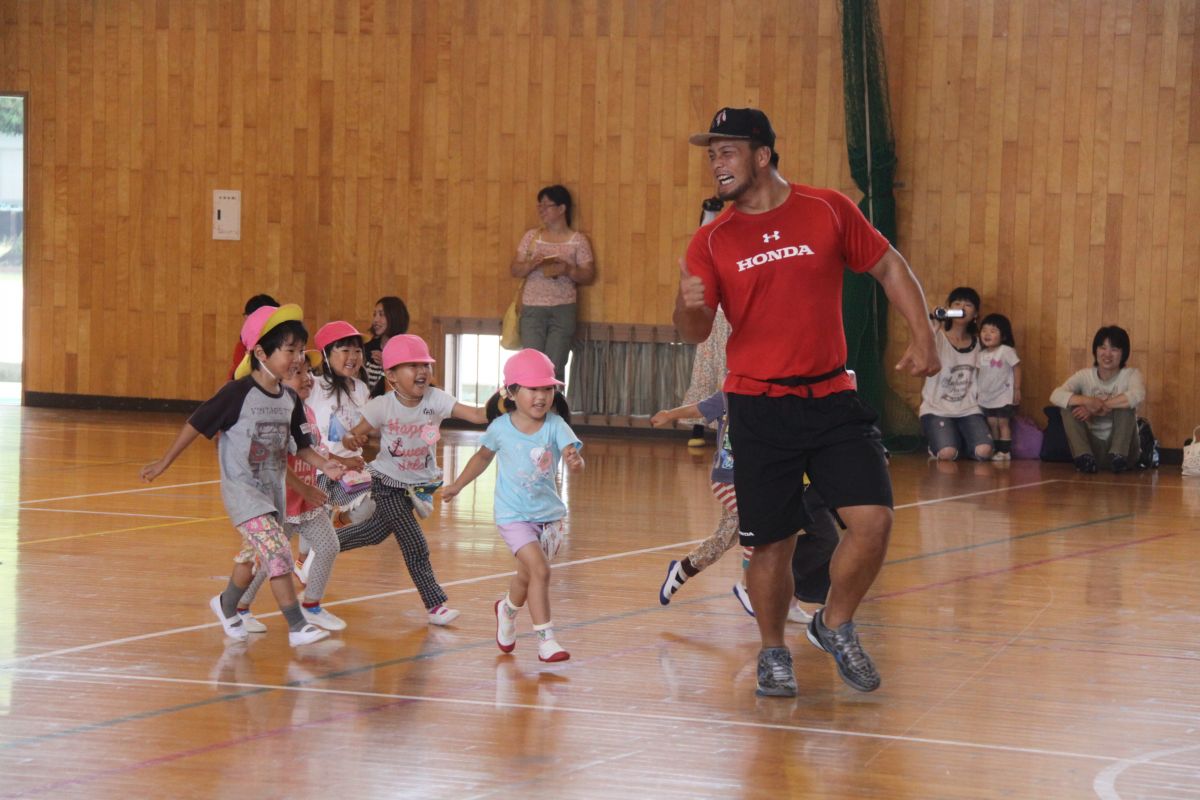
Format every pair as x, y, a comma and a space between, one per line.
322, 619
442, 615
743, 595
551, 651
300, 568
250, 622
306, 635
798, 614
506, 629
233, 626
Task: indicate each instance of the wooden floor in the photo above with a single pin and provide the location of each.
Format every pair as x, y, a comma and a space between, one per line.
1038, 633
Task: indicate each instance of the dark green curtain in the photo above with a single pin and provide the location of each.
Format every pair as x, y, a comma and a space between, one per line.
872, 152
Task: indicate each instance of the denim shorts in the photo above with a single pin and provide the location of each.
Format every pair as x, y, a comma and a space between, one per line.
943, 432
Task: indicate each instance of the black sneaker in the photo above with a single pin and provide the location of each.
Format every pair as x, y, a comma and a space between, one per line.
1119, 464
776, 678
854, 665
1086, 463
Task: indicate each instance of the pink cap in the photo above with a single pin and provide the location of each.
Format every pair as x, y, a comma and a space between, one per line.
257, 324
252, 328
406, 349
530, 368
330, 332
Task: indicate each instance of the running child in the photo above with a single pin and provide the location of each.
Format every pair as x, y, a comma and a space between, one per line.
531, 431
256, 415
337, 400
405, 472
999, 380
810, 562
308, 516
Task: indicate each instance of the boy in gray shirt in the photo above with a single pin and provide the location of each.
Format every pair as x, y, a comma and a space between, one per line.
257, 417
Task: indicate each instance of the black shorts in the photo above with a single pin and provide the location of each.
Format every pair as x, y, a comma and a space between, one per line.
776, 440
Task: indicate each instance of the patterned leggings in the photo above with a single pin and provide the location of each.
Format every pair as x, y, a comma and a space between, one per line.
394, 516
318, 532
726, 534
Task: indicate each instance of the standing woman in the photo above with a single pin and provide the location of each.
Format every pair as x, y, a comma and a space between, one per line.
554, 260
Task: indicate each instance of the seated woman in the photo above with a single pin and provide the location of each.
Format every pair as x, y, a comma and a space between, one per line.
554, 259
1102, 400
950, 415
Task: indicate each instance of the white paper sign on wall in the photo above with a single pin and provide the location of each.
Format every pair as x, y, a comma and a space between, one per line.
227, 214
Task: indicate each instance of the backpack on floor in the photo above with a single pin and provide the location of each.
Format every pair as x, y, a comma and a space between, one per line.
1054, 438
1148, 459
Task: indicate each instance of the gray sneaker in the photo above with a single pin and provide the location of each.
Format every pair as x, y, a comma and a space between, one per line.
854, 665
775, 675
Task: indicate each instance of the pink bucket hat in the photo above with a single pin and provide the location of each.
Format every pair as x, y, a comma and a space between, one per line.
257, 324
406, 349
530, 368
330, 332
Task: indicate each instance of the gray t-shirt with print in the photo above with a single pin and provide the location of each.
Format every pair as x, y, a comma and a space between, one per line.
256, 428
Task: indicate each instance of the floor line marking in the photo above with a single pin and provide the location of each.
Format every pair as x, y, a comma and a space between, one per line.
191, 521
258, 688
410, 590
937, 500
103, 513
1014, 568
122, 491
1105, 783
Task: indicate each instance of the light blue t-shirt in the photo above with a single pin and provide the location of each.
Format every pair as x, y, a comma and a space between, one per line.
525, 468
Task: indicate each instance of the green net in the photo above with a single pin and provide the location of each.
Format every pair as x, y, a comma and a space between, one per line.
872, 152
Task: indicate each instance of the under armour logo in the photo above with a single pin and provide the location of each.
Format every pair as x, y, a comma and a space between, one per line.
767, 237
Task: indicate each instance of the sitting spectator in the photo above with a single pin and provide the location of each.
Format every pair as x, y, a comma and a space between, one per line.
950, 415
1102, 400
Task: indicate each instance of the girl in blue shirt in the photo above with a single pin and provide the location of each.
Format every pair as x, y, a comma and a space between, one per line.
530, 434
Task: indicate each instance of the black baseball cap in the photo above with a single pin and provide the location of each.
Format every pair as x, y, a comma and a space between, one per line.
737, 123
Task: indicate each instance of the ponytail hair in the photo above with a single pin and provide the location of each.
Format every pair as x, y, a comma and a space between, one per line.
502, 403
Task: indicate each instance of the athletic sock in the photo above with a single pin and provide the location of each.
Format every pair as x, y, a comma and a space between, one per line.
295, 619
1004, 445
230, 597
689, 571
511, 609
545, 632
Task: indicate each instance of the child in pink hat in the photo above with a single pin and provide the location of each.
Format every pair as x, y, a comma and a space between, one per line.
258, 417
337, 400
407, 420
530, 434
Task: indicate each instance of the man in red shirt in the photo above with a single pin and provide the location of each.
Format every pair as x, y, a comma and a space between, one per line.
773, 261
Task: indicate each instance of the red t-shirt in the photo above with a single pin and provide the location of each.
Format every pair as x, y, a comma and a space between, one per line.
778, 276
307, 473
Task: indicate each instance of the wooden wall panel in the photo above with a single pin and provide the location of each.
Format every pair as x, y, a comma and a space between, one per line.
1049, 154
380, 147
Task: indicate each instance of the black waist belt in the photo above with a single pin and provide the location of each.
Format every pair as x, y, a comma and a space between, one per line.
805, 380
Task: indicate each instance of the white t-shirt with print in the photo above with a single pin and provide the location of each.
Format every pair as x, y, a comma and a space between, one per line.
336, 413
409, 436
953, 391
995, 376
